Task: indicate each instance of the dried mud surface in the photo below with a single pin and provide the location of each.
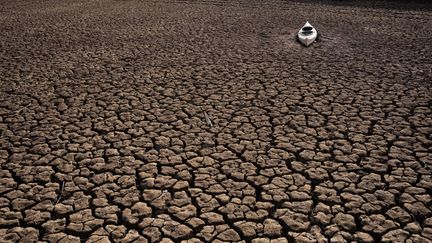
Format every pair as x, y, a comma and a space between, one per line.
199, 121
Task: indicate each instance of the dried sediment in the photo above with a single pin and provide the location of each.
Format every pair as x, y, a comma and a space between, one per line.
140, 121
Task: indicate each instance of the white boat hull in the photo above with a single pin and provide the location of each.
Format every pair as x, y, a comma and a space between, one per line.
307, 34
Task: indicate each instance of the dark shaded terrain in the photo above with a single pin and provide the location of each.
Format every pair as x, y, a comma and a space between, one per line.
105, 112
419, 5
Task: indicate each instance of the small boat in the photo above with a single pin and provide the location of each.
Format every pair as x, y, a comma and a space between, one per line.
307, 34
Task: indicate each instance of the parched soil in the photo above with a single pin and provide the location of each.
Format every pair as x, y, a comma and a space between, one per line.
199, 121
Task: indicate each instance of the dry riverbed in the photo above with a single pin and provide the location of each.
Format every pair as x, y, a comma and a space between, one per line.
198, 121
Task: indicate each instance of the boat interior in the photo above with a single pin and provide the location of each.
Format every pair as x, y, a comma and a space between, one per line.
307, 30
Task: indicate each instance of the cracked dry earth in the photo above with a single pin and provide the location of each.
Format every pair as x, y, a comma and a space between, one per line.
106, 107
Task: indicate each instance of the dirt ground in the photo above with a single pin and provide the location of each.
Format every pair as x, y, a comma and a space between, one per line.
200, 121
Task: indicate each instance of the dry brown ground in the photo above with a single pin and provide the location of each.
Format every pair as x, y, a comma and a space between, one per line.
103, 134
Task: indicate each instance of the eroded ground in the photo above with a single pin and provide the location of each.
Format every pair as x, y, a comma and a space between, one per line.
106, 107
